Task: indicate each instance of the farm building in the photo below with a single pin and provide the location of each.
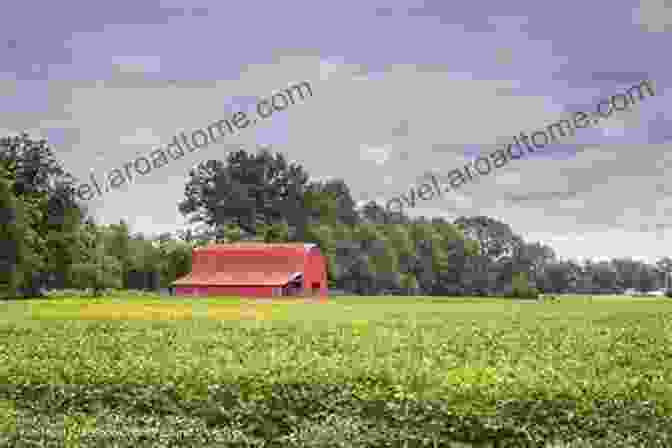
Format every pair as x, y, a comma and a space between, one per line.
255, 270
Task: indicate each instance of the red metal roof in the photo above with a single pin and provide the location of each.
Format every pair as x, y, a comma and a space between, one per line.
256, 247
246, 264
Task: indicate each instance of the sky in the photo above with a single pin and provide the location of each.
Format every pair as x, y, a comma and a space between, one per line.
399, 92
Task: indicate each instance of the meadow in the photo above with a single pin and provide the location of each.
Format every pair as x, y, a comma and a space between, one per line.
352, 372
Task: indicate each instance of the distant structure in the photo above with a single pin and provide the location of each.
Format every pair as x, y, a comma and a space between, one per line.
252, 269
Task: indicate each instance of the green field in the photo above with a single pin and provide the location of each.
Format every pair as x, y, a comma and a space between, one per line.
357, 371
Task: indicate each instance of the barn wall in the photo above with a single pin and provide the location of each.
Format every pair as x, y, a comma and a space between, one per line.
316, 272
236, 291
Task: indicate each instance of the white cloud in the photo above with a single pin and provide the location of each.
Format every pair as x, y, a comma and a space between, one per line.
377, 154
653, 15
576, 204
137, 64
142, 136
508, 178
328, 68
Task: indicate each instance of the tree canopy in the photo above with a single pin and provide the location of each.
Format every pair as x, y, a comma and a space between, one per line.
49, 238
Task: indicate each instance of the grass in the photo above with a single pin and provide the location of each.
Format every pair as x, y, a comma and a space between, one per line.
581, 367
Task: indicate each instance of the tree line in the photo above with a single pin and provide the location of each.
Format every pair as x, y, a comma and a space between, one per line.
48, 238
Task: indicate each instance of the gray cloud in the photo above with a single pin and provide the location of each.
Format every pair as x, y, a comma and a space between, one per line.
107, 84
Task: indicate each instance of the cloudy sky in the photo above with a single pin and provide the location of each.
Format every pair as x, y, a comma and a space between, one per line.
398, 92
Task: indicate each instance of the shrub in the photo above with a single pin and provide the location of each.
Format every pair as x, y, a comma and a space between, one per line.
550, 297
453, 291
521, 288
64, 293
107, 292
97, 276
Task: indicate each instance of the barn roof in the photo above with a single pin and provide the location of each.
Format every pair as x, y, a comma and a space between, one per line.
256, 246
246, 264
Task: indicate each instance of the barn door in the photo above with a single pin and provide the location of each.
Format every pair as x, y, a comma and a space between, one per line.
295, 286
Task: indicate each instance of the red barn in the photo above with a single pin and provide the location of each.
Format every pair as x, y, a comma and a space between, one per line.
255, 270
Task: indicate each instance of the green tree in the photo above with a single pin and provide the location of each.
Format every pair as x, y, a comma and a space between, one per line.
50, 214
496, 239
409, 284
560, 276
175, 260
342, 253
230, 233
323, 236
97, 276
276, 233
665, 266
322, 203
103, 271
62, 245
12, 239
532, 258
385, 263
346, 212
20, 257
431, 255
605, 277
243, 189
373, 213
117, 243
522, 288
629, 272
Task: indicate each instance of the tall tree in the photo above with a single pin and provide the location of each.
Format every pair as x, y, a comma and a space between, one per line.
650, 278
559, 276
50, 213
102, 271
247, 190
605, 276
32, 164
665, 266
532, 258
175, 258
118, 246
343, 205
629, 272
13, 245
496, 238
373, 213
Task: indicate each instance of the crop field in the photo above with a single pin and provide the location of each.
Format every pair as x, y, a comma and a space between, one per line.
352, 372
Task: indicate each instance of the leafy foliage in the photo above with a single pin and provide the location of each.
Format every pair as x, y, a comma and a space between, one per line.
522, 288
